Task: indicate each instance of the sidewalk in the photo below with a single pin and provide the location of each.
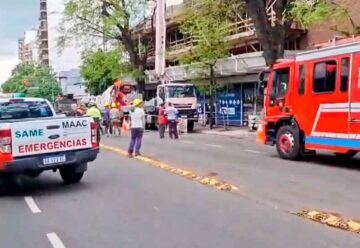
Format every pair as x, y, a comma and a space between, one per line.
233, 132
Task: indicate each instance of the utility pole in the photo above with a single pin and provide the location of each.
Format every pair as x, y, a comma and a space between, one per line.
160, 43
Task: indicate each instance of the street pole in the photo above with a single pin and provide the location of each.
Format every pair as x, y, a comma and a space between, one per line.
160, 43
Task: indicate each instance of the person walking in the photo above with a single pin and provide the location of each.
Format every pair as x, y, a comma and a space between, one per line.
115, 118
106, 118
137, 124
162, 121
172, 115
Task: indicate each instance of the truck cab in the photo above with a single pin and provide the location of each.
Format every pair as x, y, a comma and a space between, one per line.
181, 95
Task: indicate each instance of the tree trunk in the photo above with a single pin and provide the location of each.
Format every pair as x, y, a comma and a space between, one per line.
212, 96
271, 38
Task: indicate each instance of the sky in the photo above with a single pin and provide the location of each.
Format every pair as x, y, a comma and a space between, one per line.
17, 16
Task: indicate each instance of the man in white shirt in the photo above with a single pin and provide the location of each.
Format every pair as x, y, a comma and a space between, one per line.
137, 124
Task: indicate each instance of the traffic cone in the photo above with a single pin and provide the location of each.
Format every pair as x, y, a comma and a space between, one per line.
125, 126
261, 135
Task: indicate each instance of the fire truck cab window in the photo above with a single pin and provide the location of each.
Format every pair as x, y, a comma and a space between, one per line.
325, 77
281, 82
302, 79
345, 69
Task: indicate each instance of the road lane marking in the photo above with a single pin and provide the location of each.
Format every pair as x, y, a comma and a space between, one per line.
214, 146
55, 240
32, 205
330, 219
253, 151
209, 181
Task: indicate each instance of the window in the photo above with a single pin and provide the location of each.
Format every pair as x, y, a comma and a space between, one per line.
325, 77
281, 82
302, 79
181, 91
24, 109
345, 70
162, 93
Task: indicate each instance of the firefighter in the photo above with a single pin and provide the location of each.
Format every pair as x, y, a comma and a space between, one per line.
95, 113
106, 118
115, 119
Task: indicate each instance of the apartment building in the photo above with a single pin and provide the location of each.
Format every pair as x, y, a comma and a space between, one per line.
239, 72
27, 47
43, 37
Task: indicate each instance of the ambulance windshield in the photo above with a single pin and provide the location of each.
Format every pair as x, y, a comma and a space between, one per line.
24, 109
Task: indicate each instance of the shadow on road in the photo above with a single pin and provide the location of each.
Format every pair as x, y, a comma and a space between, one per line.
330, 160
20, 185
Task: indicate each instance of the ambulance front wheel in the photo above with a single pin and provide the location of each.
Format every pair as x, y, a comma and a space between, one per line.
288, 143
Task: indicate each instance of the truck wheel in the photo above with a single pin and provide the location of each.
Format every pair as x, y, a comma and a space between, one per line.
70, 176
288, 143
190, 126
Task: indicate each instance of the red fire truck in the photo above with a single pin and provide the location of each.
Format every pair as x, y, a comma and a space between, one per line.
313, 103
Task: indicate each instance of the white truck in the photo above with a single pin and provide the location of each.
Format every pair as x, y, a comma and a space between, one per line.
181, 95
34, 139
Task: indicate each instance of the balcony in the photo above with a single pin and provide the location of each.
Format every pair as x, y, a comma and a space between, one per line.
43, 16
249, 63
242, 31
43, 7
44, 56
43, 25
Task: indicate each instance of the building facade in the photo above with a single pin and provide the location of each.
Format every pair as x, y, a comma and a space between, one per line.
28, 48
72, 83
43, 36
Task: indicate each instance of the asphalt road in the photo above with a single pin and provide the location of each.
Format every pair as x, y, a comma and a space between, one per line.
124, 202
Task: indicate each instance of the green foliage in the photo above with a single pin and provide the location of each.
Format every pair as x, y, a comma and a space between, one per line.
207, 23
42, 81
309, 14
92, 22
100, 70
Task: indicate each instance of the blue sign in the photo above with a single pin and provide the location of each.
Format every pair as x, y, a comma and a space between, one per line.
229, 109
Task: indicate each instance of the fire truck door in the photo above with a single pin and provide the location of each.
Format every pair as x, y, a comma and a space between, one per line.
354, 97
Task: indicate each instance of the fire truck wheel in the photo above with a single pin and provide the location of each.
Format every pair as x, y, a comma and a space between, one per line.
288, 143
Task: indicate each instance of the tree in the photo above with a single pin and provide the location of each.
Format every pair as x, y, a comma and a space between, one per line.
100, 69
34, 80
207, 23
309, 14
121, 21
272, 32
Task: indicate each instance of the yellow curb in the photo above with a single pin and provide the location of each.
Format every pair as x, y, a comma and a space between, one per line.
330, 219
177, 171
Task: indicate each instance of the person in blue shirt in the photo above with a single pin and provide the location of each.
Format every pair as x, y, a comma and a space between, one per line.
172, 116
